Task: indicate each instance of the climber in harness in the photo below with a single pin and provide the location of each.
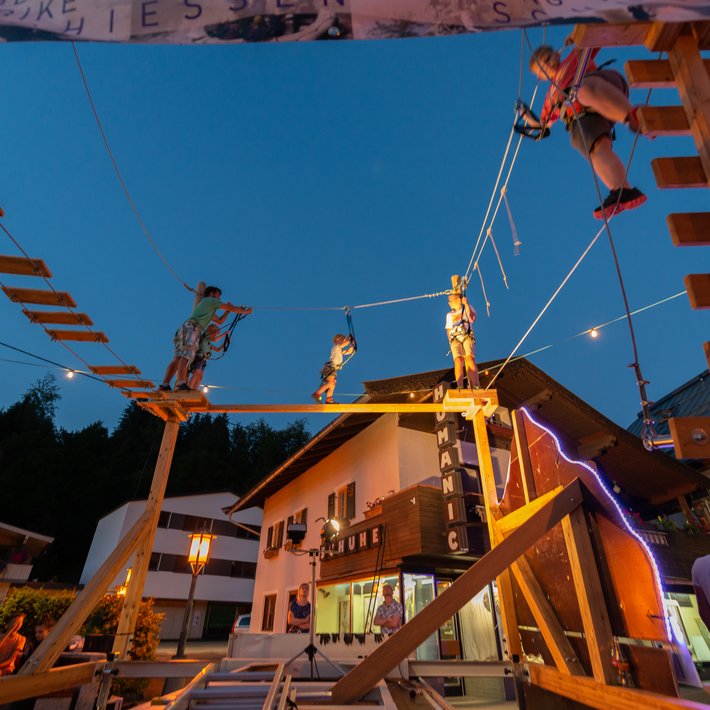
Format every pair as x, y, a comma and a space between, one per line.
459, 328
600, 99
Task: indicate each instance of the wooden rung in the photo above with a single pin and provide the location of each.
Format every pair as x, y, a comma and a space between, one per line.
39, 296
87, 336
663, 121
23, 266
671, 173
58, 317
114, 369
652, 73
138, 384
698, 288
691, 437
689, 229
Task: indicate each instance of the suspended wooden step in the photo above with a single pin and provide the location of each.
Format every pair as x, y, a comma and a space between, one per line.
39, 296
58, 317
135, 384
698, 288
658, 121
690, 229
86, 336
114, 369
653, 73
23, 266
674, 173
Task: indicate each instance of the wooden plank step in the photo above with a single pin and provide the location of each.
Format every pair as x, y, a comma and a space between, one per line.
87, 336
23, 266
114, 369
658, 121
140, 384
698, 288
652, 73
673, 173
689, 229
39, 296
58, 317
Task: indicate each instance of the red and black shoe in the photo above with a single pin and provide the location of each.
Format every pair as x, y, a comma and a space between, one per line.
620, 200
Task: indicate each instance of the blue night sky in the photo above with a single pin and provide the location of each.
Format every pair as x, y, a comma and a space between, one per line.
324, 174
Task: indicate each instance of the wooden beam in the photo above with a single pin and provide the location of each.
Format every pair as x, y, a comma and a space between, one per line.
52, 647
706, 347
682, 172
689, 229
698, 288
514, 520
661, 36
590, 596
691, 437
85, 336
23, 266
154, 504
141, 384
653, 73
22, 687
384, 658
594, 444
602, 34
589, 693
537, 400
694, 90
114, 369
658, 121
522, 451
58, 317
552, 632
41, 297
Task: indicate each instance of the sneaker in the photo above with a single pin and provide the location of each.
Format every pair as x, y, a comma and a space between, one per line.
317, 398
184, 387
620, 200
330, 401
165, 388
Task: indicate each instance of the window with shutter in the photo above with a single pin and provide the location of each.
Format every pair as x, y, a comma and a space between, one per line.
331, 505
350, 501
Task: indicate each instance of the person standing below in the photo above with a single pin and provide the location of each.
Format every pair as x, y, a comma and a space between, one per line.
299, 612
187, 336
459, 328
12, 644
600, 101
389, 614
342, 345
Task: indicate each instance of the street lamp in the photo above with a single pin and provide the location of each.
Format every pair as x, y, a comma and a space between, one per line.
198, 557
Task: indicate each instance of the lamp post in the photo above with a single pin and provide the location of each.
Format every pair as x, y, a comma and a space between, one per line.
198, 557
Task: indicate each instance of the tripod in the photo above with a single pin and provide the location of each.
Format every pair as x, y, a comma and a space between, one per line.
311, 650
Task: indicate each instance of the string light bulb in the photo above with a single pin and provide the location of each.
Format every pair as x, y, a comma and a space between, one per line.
205, 389
70, 374
594, 333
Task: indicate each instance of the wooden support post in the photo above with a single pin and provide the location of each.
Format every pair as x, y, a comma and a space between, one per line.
557, 643
384, 658
592, 605
523, 453
694, 88
134, 592
72, 619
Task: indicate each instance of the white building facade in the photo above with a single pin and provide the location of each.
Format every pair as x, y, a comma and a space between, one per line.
226, 587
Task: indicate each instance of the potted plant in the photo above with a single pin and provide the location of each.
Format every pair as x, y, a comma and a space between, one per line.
374, 507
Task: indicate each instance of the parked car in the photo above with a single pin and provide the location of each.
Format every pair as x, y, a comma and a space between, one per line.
241, 623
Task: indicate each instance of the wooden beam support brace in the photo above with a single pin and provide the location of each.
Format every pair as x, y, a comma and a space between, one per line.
51, 648
134, 592
22, 687
694, 89
381, 661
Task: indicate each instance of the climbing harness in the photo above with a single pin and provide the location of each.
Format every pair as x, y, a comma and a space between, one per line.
521, 126
351, 336
230, 332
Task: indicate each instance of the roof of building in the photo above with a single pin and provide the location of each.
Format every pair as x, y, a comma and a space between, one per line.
691, 399
645, 478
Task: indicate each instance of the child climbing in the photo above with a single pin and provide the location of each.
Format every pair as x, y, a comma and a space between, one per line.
459, 328
600, 101
187, 336
342, 344
205, 349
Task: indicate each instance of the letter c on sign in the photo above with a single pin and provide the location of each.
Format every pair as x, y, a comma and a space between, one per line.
453, 541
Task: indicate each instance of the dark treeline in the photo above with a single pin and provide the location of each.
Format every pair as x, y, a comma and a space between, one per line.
59, 482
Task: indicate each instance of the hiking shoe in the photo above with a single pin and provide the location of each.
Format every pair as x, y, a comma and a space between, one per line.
184, 387
164, 388
620, 200
330, 401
